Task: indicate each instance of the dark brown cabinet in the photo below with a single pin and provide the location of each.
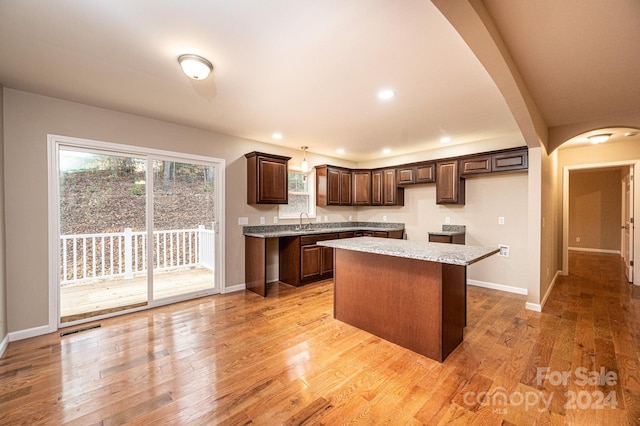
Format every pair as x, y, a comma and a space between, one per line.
333, 186
449, 185
267, 178
361, 180
449, 239
495, 162
475, 165
384, 188
511, 161
302, 261
417, 173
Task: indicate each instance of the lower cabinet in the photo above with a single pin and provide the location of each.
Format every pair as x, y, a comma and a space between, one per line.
302, 261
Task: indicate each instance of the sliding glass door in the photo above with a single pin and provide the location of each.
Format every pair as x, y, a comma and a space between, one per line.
134, 229
184, 228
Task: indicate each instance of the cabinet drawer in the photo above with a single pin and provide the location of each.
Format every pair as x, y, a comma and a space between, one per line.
475, 165
439, 239
312, 239
349, 234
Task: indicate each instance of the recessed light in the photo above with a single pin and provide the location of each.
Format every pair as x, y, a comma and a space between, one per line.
386, 94
340, 150
386, 151
445, 139
277, 135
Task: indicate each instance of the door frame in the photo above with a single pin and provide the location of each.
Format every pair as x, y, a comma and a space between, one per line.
54, 142
565, 209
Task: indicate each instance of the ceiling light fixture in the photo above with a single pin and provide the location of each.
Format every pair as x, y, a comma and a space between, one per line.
445, 139
196, 67
386, 94
386, 151
340, 150
277, 135
304, 166
601, 138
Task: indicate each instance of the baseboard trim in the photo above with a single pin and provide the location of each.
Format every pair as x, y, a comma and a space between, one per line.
30, 332
538, 307
234, 288
500, 287
3, 345
594, 250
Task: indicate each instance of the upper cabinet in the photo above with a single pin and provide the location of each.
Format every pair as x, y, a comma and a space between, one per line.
384, 188
267, 178
361, 184
449, 185
500, 161
416, 173
333, 186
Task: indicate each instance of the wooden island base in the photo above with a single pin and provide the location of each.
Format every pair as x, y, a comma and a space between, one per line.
417, 304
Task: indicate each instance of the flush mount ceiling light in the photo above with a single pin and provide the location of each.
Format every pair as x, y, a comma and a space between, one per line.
601, 138
304, 166
386, 94
277, 135
196, 67
340, 150
386, 151
445, 139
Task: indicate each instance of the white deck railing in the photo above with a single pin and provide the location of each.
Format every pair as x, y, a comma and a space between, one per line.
89, 257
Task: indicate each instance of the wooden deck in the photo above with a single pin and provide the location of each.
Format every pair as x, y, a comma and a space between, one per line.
84, 300
238, 358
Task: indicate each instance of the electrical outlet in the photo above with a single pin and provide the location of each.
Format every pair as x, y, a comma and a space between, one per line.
243, 221
447, 220
501, 220
262, 221
504, 250
318, 218
326, 218
275, 219
577, 239
384, 218
350, 218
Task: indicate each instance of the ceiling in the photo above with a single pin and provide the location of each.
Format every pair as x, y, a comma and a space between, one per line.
311, 70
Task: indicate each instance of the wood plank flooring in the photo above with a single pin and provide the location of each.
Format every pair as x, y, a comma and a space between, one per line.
240, 359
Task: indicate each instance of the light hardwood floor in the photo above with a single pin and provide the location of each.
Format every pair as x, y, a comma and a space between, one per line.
239, 359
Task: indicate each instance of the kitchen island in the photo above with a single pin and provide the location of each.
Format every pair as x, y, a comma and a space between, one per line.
410, 293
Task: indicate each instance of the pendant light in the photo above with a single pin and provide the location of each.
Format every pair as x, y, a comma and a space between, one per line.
304, 166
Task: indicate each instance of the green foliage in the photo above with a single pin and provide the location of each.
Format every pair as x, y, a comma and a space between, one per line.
138, 189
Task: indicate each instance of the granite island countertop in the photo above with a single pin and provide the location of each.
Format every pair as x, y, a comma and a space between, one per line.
454, 254
275, 231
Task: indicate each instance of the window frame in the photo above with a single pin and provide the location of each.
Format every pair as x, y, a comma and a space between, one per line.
311, 192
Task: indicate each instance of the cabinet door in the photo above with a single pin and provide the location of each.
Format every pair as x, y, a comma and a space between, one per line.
449, 186
389, 190
426, 173
510, 161
376, 188
345, 188
272, 181
361, 187
406, 175
310, 262
475, 165
333, 187
327, 260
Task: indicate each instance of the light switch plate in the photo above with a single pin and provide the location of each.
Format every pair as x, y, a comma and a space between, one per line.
243, 221
447, 220
262, 221
501, 220
275, 219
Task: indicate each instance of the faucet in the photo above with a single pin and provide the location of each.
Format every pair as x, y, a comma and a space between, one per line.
308, 225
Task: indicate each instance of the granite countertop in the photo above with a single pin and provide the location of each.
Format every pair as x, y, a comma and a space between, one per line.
454, 254
449, 230
273, 231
